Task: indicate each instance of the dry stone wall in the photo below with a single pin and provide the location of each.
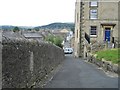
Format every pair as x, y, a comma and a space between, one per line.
106, 65
24, 62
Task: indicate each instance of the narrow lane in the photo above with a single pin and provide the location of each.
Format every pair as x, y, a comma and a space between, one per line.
76, 73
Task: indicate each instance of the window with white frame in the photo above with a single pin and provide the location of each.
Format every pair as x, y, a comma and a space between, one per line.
93, 30
93, 4
93, 14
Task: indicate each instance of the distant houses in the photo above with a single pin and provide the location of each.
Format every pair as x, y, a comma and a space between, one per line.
35, 36
39, 35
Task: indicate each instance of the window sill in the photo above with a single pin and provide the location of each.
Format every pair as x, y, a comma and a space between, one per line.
93, 36
93, 5
93, 18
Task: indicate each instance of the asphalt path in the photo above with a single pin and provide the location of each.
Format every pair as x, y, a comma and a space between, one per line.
76, 73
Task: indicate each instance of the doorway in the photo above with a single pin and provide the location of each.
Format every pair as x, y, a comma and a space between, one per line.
107, 34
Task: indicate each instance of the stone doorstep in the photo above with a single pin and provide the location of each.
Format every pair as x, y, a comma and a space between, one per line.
107, 65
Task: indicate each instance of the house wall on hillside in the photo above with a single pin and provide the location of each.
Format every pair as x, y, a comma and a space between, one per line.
100, 20
96, 21
77, 48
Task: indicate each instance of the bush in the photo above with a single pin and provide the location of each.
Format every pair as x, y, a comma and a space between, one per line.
55, 40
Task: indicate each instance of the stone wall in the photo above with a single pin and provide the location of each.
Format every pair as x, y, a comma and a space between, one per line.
25, 62
106, 65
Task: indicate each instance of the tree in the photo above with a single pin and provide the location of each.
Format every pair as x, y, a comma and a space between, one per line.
55, 40
29, 29
50, 38
16, 29
58, 41
37, 29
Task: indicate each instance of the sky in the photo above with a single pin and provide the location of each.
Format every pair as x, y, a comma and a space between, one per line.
36, 12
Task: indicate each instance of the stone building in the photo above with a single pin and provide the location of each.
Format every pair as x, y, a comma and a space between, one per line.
96, 22
34, 36
77, 29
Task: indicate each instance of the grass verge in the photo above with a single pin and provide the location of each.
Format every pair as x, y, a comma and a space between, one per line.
112, 55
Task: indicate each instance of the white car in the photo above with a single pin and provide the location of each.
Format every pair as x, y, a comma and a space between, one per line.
68, 50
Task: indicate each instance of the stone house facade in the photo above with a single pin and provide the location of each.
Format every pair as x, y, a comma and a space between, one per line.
96, 21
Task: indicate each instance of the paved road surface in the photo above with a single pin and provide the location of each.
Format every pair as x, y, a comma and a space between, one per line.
75, 73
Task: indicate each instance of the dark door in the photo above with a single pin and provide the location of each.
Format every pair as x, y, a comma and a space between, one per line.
107, 35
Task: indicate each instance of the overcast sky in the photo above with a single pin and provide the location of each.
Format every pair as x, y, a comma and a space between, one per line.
36, 12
